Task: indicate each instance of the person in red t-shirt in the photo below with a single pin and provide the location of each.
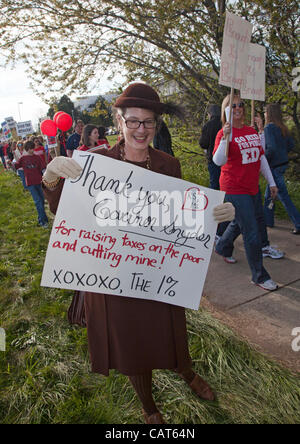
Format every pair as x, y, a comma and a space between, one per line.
32, 166
2, 156
40, 151
90, 138
240, 179
6, 151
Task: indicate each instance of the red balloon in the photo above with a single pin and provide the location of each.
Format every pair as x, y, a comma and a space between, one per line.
56, 115
48, 128
64, 122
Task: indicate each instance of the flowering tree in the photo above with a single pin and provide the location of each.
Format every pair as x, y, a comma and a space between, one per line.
67, 45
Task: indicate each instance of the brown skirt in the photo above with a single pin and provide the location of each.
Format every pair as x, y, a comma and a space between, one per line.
135, 336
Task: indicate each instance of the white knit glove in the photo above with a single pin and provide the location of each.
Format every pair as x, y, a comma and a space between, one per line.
62, 167
224, 212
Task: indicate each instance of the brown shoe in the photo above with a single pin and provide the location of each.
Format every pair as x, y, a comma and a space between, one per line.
202, 389
155, 418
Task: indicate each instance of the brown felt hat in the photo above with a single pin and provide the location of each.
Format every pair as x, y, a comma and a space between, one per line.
140, 95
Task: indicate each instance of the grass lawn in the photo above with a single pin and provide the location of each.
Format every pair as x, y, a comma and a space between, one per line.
45, 375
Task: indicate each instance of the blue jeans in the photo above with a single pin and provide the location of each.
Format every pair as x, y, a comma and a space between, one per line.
214, 175
283, 196
21, 174
3, 160
38, 198
260, 220
248, 210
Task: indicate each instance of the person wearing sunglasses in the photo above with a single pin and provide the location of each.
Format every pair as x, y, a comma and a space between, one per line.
238, 105
240, 180
136, 336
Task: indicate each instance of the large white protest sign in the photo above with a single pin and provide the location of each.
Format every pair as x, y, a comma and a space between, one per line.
235, 48
124, 230
254, 86
10, 122
24, 128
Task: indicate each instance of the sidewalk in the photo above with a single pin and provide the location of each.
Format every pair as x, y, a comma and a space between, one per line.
265, 319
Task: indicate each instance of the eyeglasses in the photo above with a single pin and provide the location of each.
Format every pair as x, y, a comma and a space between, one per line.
135, 124
238, 105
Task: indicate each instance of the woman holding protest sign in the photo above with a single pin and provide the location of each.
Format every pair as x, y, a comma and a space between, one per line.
136, 336
240, 179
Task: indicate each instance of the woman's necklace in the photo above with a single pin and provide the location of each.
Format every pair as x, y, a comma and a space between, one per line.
123, 157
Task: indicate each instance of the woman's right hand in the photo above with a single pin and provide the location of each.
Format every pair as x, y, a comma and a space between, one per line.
62, 167
226, 129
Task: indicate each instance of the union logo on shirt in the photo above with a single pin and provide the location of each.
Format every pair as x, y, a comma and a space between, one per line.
30, 166
249, 146
250, 155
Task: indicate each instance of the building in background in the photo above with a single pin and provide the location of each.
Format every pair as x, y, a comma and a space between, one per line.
87, 103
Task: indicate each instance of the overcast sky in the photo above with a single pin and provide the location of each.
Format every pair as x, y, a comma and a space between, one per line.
14, 88
17, 100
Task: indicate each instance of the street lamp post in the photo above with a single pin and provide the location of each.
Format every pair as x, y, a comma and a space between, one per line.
20, 103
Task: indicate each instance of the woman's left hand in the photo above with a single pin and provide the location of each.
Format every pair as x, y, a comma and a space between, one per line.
224, 212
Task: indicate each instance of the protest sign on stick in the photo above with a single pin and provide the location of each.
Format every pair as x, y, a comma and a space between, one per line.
52, 146
24, 128
235, 48
234, 58
6, 132
115, 234
254, 85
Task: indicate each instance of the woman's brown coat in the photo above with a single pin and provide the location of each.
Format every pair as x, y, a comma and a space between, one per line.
127, 334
